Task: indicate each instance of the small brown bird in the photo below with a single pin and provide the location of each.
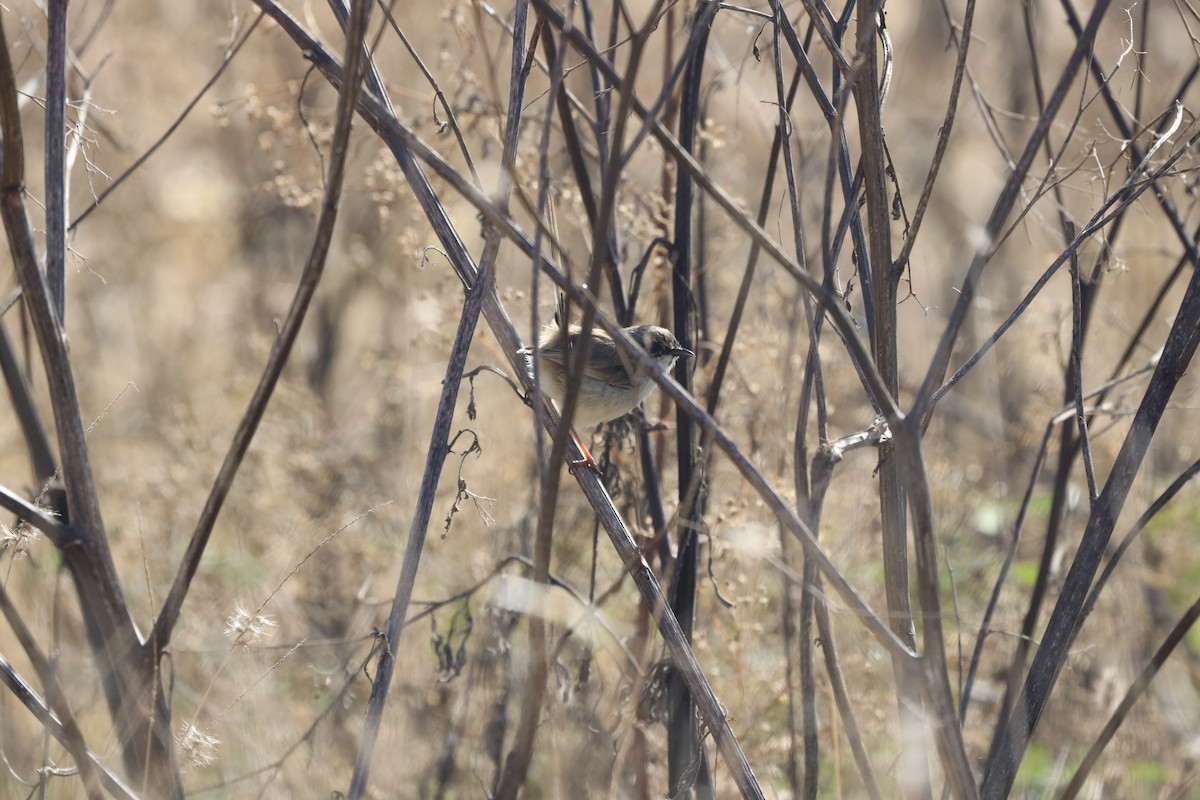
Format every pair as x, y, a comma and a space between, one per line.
612, 385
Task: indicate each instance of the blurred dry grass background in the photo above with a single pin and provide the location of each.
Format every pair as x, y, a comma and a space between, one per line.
177, 282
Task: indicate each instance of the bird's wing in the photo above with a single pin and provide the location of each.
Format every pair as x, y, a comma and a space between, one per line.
603, 364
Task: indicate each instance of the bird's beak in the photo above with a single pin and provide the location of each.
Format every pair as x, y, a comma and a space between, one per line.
682, 352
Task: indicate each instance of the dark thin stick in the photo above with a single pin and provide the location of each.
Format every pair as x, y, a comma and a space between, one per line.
687, 761
654, 498
38, 707
985, 627
827, 457
41, 456
1122, 198
824, 23
1064, 623
1068, 441
55, 154
1118, 118
810, 489
666, 96
782, 144
1001, 210
841, 695
583, 178
1113, 560
1132, 695
1076, 368
535, 361
881, 306
434, 460
811, 505
355, 27
438, 94
540, 212
281, 349
845, 90
73, 737
788, 615
602, 125
939, 151
799, 52
934, 673
839, 170
764, 206
803, 649
71, 437
520, 755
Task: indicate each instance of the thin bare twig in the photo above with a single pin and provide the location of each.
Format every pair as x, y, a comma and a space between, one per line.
1001, 210
29, 698
166, 135
438, 94
439, 438
1076, 370
281, 350
1132, 695
1128, 539
56, 151
1120, 199
1014, 733
939, 152
72, 736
